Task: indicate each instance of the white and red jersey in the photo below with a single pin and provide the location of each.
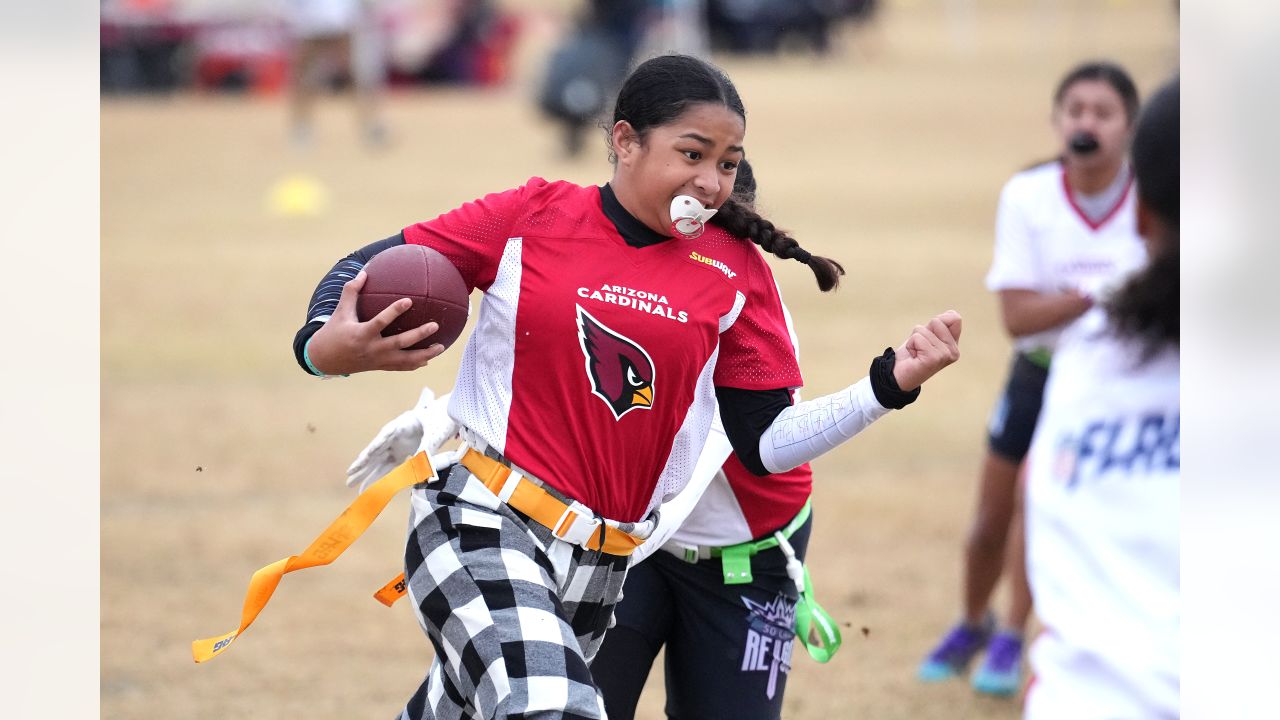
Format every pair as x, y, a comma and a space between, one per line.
739, 506
1046, 243
1103, 531
593, 363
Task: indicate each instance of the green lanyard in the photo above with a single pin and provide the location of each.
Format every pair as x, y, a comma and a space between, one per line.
815, 628
736, 559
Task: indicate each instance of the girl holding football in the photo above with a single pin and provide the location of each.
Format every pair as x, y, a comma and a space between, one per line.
724, 589
614, 319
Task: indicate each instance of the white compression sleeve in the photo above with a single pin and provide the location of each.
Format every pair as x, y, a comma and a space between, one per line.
806, 430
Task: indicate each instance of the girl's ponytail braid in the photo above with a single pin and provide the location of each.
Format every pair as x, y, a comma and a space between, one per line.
739, 219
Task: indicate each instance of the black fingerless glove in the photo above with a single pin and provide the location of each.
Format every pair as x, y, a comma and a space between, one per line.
885, 385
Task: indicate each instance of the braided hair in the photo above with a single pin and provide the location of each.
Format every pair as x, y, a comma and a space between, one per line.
738, 216
658, 92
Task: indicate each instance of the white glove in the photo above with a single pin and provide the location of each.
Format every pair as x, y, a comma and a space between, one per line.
426, 426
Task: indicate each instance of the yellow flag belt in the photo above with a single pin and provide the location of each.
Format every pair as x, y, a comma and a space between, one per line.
326, 548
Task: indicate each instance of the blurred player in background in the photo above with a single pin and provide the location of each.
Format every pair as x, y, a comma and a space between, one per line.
1065, 234
605, 342
332, 38
678, 26
1103, 478
584, 73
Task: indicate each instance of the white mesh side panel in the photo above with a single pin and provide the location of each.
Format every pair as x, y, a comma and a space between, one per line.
717, 520
692, 435
482, 394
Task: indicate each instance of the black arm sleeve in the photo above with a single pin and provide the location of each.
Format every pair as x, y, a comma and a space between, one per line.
746, 415
325, 297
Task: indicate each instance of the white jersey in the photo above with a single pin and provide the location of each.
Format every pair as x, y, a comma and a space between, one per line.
1103, 532
1044, 242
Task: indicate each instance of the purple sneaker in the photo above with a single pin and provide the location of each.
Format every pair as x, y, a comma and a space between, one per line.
1001, 672
952, 656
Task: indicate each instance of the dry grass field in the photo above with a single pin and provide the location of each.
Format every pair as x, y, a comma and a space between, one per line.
219, 455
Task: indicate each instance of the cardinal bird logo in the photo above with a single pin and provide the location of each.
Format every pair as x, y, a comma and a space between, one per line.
621, 371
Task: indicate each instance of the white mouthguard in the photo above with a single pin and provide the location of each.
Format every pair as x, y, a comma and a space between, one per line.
688, 217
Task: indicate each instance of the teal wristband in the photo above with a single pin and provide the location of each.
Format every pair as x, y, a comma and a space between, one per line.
306, 357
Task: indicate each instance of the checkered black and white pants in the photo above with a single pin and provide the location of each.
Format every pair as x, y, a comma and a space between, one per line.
514, 613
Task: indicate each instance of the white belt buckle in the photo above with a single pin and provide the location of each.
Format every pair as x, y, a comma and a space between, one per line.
688, 553
509, 486
584, 527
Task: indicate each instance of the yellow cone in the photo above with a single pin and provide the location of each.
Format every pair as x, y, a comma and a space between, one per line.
298, 194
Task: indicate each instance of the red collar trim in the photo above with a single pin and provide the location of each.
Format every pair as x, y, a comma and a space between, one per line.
1071, 199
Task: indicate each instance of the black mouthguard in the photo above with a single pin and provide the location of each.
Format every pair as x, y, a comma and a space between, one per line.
1083, 143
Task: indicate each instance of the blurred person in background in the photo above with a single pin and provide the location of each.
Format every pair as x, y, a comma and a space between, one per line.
1065, 235
141, 46
608, 37
771, 26
335, 39
678, 26
456, 42
586, 70
1103, 477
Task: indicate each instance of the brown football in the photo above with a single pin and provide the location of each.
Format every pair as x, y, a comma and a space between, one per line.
428, 279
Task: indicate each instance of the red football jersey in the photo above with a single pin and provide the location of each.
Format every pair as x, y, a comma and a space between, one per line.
593, 363
767, 503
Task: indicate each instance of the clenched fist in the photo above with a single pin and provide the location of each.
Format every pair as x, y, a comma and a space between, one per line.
930, 348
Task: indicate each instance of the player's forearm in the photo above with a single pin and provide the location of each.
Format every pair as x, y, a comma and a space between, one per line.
325, 297
772, 436
1026, 312
809, 429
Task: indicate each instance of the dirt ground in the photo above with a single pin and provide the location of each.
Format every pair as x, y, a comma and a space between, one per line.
220, 456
